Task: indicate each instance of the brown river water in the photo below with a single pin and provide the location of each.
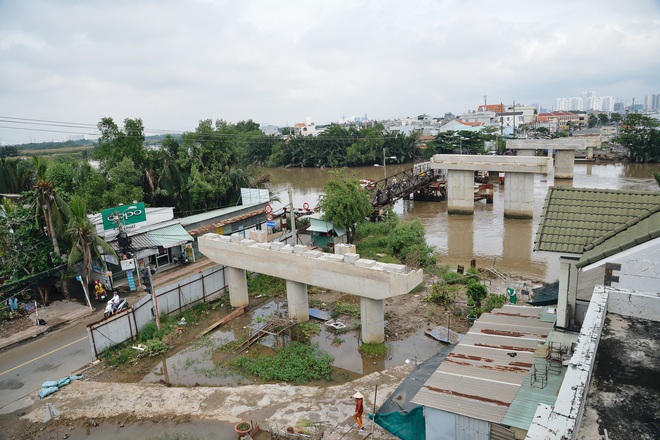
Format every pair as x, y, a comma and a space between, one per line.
486, 236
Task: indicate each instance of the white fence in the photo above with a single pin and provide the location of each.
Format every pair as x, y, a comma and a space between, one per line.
205, 286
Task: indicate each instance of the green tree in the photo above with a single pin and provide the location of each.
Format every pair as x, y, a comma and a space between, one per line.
592, 121
603, 118
15, 176
115, 144
123, 182
615, 117
640, 134
25, 248
48, 203
344, 203
86, 245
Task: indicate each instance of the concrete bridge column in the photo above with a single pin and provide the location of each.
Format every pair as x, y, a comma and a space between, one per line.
519, 195
372, 319
460, 192
238, 289
297, 300
564, 164
590, 153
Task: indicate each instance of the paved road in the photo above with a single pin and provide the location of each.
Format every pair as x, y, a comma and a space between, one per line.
51, 357
61, 353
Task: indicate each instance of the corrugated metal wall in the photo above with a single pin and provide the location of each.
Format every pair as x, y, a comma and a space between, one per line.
499, 432
205, 286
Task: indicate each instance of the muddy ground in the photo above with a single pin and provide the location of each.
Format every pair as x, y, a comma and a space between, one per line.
272, 405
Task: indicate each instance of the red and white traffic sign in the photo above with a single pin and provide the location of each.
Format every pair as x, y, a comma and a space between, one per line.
268, 208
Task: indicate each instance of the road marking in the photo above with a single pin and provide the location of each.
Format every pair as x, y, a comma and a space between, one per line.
43, 355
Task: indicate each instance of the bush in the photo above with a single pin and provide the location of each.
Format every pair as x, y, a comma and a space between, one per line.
441, 294
155, 347
494, 301
476, 290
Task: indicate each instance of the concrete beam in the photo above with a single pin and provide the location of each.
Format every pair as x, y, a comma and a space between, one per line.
515, 164
364, 278
570, 143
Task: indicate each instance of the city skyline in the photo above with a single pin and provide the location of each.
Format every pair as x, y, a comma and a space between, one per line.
177, 63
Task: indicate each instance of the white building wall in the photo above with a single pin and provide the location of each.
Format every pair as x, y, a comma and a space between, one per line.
443, 425
640, 268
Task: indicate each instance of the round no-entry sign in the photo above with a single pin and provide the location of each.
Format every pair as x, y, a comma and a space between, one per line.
269, 217
268, 208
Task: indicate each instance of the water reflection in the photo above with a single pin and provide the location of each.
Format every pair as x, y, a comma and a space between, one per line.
485, 237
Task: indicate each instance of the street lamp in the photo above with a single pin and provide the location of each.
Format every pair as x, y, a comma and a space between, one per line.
385, 162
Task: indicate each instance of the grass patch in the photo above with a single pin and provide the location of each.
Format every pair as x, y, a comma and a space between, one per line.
348, 309
265, 285
308, 329
296, 363
374, 349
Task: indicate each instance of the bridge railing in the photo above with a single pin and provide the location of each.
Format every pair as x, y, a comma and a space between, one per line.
392, 188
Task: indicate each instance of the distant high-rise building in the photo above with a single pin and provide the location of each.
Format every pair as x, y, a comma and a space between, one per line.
652, 103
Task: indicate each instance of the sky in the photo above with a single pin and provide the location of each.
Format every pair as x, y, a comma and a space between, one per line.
66, 64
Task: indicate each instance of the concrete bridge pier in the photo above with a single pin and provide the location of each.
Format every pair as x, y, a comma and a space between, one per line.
372, 319
519, 195
590, 153
565, 164
460, 192
297, 299
238, 288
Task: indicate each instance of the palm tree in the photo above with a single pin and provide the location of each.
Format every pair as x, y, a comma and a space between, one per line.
85, 243
656, 176
54, 210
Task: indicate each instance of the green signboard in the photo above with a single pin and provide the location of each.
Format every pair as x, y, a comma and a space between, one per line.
126, 214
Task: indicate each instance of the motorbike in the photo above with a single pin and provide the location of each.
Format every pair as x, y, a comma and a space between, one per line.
181, 259
115, 305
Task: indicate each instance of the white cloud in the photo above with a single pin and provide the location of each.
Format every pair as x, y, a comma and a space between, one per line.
174, 63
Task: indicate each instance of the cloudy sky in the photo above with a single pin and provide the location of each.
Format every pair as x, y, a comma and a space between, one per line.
174, 63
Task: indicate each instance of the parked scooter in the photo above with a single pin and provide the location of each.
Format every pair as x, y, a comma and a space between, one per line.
181, 259
115, 305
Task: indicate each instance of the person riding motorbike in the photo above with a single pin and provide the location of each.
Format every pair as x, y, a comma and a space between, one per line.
99, 290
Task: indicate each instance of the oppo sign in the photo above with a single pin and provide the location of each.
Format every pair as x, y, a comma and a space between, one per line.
125, 214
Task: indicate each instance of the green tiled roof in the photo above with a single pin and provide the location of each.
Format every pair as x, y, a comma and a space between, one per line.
575, 218
620, 240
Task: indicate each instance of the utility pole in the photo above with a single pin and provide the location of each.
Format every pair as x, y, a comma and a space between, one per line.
294, 235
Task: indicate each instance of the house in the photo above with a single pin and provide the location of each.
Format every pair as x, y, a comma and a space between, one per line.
325, 234
604, 236
517, 374
148, 236
458, 125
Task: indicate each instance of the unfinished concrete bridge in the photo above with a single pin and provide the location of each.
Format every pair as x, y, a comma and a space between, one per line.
343, 271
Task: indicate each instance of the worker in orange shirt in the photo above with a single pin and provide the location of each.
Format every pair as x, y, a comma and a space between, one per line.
359, 409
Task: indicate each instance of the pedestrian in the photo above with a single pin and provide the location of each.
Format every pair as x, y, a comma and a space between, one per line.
359, 409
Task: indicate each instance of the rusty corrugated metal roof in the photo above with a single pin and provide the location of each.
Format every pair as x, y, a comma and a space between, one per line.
482, 375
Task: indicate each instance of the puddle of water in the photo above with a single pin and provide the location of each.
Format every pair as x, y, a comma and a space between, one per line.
199, 430
197, 364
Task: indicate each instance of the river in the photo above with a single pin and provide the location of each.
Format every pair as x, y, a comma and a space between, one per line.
486, 236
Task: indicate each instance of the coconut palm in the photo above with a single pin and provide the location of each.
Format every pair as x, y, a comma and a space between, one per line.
47, 201
85, 243
656, 176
